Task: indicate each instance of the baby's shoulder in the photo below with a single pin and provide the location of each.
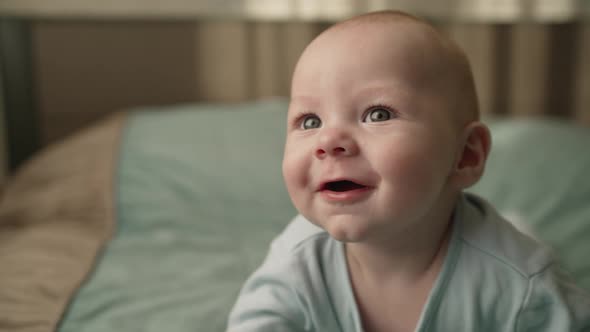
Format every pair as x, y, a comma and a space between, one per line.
299, 235
304, 255
492, 238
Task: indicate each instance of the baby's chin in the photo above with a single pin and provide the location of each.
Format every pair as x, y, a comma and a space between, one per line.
347, 228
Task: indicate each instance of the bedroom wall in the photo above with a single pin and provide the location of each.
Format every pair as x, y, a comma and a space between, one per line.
85, 69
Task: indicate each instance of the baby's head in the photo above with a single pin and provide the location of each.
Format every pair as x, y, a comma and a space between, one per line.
383, 130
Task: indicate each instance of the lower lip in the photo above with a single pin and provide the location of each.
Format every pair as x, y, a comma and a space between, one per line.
346, 196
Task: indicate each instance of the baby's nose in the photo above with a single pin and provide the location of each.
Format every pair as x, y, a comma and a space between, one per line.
336, 143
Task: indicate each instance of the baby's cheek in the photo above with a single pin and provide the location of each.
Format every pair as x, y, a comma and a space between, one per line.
412, 172
296, 176
295, 168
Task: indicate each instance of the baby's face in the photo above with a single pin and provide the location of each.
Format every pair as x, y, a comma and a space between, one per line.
370, 144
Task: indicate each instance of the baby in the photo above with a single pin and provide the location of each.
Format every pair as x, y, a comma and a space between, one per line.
383, 136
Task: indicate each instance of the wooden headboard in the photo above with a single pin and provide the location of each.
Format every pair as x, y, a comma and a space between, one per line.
66, 63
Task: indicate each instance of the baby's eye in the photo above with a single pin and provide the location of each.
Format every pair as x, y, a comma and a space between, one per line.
311, 121
377, 114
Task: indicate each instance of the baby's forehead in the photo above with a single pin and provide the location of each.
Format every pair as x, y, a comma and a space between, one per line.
414, 48
407, 51
418, 45
443, 60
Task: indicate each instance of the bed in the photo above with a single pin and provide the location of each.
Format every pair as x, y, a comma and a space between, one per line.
140, 232
151, 218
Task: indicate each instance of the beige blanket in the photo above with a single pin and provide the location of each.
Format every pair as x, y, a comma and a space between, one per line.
56, 215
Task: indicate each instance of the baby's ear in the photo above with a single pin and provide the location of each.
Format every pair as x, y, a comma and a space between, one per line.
472, 159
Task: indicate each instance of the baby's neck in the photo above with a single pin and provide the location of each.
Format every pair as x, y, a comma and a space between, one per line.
398, 261
400, 282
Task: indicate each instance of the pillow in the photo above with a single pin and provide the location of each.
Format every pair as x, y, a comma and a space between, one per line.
538, 176
200, 195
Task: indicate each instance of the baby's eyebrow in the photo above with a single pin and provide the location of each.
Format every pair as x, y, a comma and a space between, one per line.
376, 90
398, 96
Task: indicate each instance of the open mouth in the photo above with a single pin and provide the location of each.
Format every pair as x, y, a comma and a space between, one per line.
342, 186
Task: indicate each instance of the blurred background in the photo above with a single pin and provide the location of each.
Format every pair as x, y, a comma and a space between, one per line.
66, 63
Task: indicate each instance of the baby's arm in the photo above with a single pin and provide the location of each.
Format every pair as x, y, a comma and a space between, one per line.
554, 303
268, 300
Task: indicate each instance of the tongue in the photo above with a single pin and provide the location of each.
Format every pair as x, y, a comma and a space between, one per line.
343, 186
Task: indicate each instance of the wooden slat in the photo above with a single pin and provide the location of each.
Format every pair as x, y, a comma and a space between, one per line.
502, 68
3, 140
18, 93
267, 60
582, 72
477, 42
529, 69
223, 59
